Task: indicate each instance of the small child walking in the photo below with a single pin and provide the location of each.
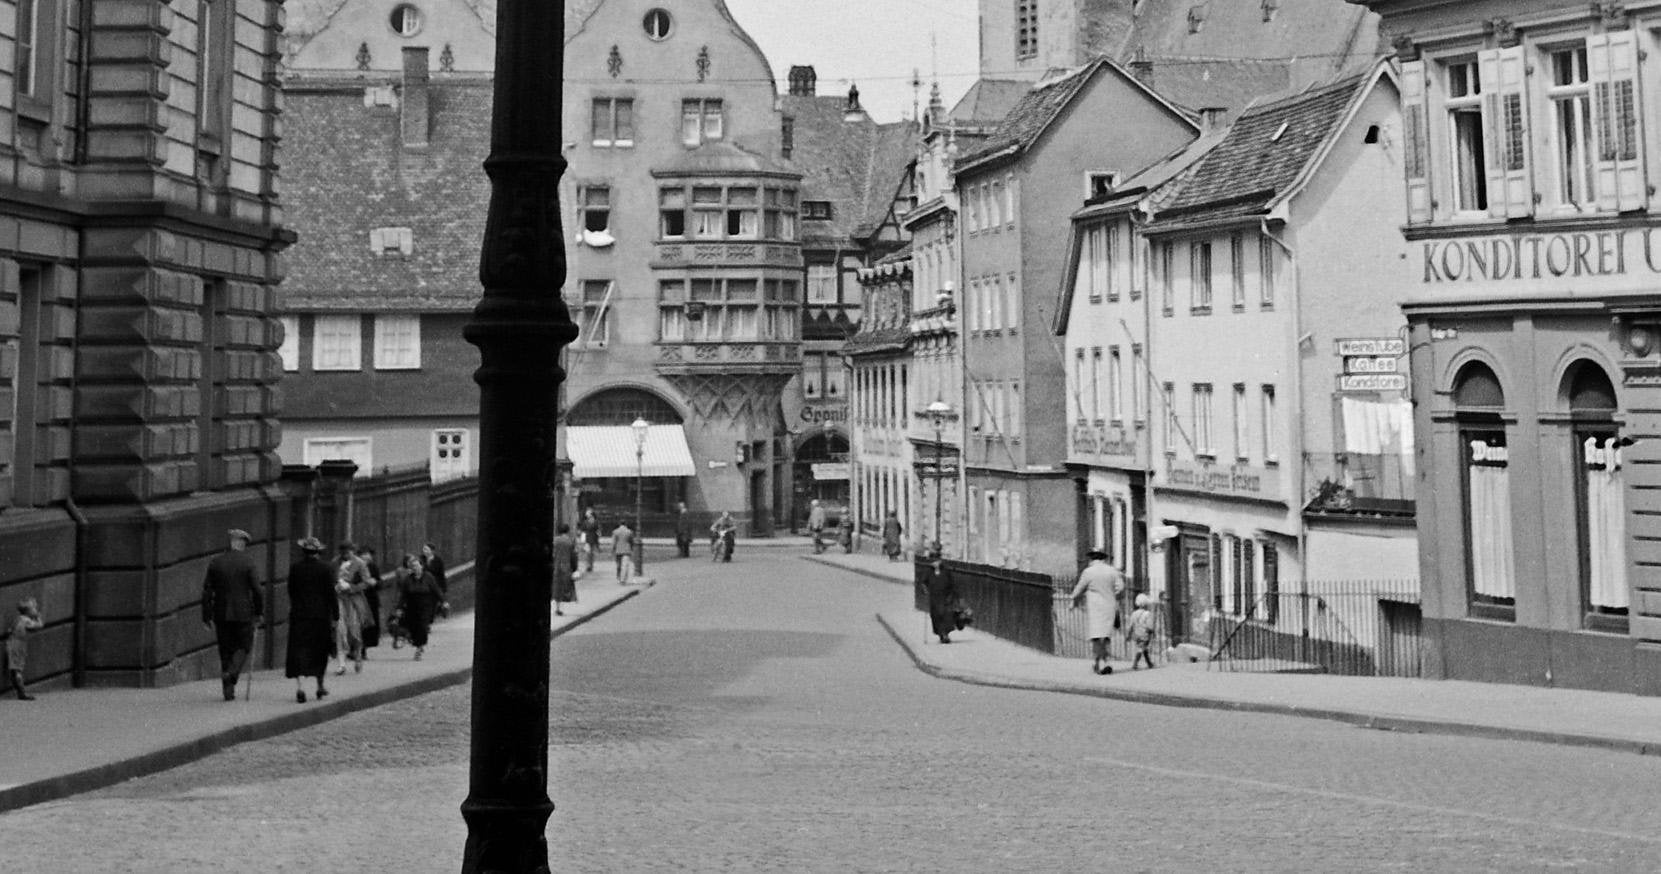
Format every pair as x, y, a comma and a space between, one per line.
1141, 632
17, 644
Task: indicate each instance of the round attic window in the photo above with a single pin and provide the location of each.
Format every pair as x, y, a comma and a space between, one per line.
406, 20
658, 24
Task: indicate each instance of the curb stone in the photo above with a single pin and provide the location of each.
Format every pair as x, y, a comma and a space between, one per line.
102, 776
1376, 721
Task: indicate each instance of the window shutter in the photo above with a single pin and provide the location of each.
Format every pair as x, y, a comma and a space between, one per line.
1216, 572
1248, 573
1618, 158
1514, 197
1493, 133
1415, 109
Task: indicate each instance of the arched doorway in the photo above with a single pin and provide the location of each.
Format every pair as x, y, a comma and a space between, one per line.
821, 474
607, 480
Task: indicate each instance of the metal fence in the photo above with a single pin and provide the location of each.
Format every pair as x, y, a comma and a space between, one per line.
1012, 604
1352, 627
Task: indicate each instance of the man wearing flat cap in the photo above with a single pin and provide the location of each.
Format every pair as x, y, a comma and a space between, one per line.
232, 605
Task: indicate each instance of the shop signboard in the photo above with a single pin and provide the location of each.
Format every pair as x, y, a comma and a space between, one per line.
1372, 382
830, 470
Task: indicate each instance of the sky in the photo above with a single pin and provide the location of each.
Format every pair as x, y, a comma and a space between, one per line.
875, 43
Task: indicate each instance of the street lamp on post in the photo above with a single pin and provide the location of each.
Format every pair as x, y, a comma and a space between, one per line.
640, 425
520, 327
938, 411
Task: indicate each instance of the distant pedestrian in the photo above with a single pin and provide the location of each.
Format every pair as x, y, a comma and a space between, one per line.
351, 581
312, 613
17, 644
588, 531
816, 525
1098, 589
683, 530
418, 597
1141, 631
434, 563
942, 595
565, 568
622, 549
372, 595
891, 532
845, 532
723, 537
233, 606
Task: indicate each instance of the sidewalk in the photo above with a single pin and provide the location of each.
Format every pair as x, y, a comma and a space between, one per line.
77, 740
1605, 720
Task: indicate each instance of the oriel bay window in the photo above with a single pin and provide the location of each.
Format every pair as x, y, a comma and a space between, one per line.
726, 213
726, 310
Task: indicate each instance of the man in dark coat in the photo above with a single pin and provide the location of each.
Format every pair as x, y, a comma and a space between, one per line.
942, 592
435, 566
565, 568
683, 530
313, 610
232, 605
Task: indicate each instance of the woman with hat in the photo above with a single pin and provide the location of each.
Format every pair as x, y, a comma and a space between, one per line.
941, 590
1098, 590
312, 613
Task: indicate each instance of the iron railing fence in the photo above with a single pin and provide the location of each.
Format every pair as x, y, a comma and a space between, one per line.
1351, 627
1012, 604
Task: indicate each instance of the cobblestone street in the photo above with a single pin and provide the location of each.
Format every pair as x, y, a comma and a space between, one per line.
755, 717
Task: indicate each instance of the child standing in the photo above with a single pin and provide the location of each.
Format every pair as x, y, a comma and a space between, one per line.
1141, 632
17, 644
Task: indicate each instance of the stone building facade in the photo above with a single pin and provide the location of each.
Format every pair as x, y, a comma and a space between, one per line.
140, 240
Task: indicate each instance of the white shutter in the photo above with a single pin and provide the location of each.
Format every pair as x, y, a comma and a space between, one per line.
1617, 153
1515, 197
1416, 163
1488, 62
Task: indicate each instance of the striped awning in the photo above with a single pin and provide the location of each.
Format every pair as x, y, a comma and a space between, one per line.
598, 451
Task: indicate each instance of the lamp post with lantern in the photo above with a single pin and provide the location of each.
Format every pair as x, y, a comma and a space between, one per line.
938, 411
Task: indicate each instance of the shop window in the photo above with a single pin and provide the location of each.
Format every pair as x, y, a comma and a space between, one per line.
1485, 459
1600, 499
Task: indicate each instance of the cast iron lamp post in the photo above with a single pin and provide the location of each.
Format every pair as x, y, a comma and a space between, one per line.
521, 327
938, 411
640, 425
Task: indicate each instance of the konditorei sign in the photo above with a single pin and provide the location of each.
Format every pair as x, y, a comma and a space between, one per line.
1622, 257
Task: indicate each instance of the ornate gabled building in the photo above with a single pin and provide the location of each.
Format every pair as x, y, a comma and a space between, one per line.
140, 241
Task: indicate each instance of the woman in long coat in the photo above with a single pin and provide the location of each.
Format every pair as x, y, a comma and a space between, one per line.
891, 531
418, 598
942, 592
565, 568
312, 613
1098, 589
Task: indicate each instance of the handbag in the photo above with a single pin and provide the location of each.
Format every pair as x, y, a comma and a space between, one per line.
962, 615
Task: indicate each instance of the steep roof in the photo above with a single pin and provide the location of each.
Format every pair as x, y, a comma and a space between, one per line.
346, 174
1040, 106
1265, 152
1228, 83
719, 157
1323, 37
988, 101
854, 163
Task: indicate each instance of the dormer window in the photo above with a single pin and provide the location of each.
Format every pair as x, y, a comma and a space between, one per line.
391, 242
816, 210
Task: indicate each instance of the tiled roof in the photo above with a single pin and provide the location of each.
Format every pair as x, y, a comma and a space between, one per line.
345, 173
988, 101
1263, 154
855, 164
722, 157
1032, 114
1319, 37
1227, 83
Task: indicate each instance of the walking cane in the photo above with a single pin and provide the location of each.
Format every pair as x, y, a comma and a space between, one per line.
253, 646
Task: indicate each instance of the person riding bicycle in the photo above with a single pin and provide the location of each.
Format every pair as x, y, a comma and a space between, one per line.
723, 536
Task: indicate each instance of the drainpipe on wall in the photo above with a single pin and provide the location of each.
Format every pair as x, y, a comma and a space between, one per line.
1296, 417
78, 656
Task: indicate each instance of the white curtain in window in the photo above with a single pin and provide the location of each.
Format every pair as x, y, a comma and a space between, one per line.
1605, 523
1490, 525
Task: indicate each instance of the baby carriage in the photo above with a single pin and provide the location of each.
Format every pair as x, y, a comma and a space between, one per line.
395, 628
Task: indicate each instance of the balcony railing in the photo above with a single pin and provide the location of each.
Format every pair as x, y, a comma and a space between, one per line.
728, 253
673, 354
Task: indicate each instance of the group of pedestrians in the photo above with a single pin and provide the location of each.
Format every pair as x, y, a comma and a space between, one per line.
336, 608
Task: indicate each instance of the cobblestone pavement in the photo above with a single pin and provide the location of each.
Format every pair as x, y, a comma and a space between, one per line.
754, 717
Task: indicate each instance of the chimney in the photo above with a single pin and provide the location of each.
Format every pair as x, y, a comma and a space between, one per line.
803, 81
415, 121
854, 112
1213, 118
